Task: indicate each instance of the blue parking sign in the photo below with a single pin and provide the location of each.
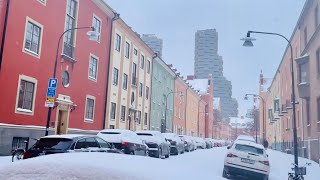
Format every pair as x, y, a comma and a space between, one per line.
52, 87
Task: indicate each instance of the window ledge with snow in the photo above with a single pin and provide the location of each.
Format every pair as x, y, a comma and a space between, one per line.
24, 110
88, 120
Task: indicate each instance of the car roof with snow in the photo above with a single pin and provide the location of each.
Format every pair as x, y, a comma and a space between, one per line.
249, 143
68, 136
116, 130
245, 138
148, 132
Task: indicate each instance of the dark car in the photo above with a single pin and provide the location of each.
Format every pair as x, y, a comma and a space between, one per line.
177, 146
68, 143
127, 141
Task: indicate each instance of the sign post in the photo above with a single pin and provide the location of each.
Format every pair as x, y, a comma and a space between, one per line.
51, 92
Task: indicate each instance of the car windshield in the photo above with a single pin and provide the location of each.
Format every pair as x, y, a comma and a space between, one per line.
250, 149
144, 134
52, 144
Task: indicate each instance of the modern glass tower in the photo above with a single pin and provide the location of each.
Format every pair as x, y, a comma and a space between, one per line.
153, 42
207, 61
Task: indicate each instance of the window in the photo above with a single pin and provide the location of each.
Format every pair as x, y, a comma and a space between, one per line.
115, 77
139, 117
32, 38
145, 119
140, 89
93, 67
96, 24
318, 108
142, 62
113, 111
81, 144
43, 2
68, 48
91, 142
148, 67
305, 32
318, 61
89, 108
303, 73
125, 81
134, 74
26, 96
19, 142
103, 143
308, 110
276, 105
127, 50
123, 113
118, 42
135, 51
111, 127
298, 124
287, 124
147, 92
65, 79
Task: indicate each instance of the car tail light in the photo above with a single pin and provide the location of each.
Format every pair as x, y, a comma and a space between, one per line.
27, 155
231, 155
264, 162
125, 143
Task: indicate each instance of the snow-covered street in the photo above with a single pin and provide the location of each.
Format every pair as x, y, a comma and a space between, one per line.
201, 164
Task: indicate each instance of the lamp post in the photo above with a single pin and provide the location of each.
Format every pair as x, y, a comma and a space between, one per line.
263, 114
92, 36
164, 125
248, 42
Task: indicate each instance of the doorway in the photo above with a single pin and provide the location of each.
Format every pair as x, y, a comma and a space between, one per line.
62, 122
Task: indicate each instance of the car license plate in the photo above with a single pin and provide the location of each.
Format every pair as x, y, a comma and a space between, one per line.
247, 160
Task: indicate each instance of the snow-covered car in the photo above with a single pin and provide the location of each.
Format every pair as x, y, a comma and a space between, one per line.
209, 143
247, 159
176, 145
245, 138
188, 145
157, 144
68, 143
200, 143
125, 140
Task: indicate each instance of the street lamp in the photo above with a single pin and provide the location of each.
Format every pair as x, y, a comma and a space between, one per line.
248, 43
92, 35
164, 125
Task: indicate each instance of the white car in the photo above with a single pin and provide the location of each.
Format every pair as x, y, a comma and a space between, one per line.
247, 159
125, 140
200, 143
157, 144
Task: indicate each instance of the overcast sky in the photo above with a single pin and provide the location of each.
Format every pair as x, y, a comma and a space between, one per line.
176, 21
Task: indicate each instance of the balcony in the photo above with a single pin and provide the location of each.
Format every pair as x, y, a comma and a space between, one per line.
303, 76
68, 52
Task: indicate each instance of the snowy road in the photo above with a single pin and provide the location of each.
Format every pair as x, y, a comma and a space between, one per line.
201, 164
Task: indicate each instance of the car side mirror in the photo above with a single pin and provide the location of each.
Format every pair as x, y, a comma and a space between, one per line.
228, 147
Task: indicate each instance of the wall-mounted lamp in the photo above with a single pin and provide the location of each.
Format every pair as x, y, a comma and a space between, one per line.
74, 107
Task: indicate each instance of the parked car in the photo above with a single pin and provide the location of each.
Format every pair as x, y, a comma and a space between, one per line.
209, 143
68, 143
176, 145
200, 143
188, 145
158, 146
247, 159
125, 140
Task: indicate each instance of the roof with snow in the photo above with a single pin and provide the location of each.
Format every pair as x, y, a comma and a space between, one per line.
239, 122
200, 85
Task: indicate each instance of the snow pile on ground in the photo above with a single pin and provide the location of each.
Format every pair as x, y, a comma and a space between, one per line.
280, 165
4, 160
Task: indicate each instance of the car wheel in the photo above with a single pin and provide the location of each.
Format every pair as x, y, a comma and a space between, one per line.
147, 153
225, 174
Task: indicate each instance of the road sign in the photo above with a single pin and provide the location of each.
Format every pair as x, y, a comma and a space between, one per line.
49, 102
52, 87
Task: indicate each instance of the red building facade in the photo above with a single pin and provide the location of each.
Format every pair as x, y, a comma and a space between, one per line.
28, 57
179, 121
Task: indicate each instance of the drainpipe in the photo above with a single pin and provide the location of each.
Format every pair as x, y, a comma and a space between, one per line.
115, 17
4, 32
